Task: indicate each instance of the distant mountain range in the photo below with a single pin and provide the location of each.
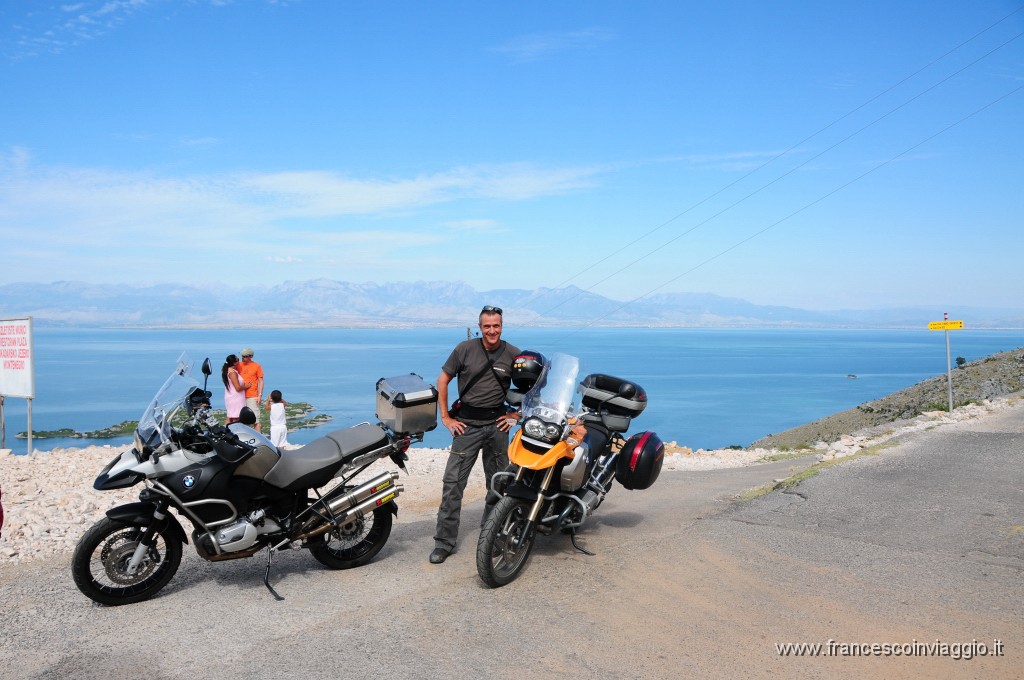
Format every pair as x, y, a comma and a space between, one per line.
327, 303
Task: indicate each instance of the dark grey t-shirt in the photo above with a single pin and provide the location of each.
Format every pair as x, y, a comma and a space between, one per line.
469, 358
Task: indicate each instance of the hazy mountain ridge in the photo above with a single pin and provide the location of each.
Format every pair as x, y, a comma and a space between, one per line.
327, 302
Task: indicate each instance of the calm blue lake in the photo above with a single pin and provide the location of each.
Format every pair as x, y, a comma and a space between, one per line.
707, 388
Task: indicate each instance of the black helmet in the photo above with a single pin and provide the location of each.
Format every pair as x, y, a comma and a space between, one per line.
526, 368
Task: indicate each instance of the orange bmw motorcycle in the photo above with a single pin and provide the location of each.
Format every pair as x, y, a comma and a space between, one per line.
563, 459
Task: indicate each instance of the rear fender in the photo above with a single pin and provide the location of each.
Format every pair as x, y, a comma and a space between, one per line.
141, 515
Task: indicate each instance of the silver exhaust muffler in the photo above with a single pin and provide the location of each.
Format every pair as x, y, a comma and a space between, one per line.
352, 505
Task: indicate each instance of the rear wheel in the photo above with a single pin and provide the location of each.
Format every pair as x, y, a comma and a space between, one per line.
355, 543
100, 563
505, 542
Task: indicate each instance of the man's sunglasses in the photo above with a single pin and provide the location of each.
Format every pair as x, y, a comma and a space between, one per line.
488, 309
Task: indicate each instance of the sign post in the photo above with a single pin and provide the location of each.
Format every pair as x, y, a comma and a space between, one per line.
17, 374
947, 325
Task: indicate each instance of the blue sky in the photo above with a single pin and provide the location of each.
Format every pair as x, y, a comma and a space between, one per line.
814, 154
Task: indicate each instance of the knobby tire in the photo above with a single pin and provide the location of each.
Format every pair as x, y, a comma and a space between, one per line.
505, 542
354, 544
98, 565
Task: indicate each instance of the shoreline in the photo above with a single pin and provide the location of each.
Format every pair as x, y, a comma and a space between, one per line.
782, 390
49, 501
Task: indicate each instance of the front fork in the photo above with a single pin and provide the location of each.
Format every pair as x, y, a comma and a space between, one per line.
538, 505
146, 542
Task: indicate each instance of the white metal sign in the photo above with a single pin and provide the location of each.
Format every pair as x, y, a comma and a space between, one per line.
16, 359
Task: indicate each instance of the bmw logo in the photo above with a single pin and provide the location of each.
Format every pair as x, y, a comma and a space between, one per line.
189, 481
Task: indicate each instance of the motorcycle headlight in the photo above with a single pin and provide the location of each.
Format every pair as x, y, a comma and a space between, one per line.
535, 428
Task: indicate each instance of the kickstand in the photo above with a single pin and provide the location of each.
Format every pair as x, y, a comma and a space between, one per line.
266, 576
572, 535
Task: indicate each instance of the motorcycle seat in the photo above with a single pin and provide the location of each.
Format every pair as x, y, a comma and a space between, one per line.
355, 441
314, 464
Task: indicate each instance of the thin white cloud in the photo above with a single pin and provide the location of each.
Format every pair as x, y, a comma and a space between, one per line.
731, 160
53, 29
323, 194
474, 225
539, 46
200, 141
71, 217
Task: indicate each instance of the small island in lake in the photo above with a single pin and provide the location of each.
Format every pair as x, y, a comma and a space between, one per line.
296, 413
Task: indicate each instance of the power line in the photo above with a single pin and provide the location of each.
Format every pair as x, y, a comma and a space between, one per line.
805, 207
789, 172
539, 295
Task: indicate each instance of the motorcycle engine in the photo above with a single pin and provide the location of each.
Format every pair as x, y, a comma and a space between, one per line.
574, 474
243, 532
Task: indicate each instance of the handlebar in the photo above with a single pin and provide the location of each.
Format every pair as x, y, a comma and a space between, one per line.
219, 438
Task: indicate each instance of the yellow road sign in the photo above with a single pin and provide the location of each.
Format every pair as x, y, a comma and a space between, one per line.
945, 325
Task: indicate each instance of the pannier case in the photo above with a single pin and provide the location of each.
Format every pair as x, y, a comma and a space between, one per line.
406, 404
639, 461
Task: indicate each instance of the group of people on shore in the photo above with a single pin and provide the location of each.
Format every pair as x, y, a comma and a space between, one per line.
481, 366
243, 396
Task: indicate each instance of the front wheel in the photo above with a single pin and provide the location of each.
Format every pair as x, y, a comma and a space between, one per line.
100, 563
505, 542
353, 544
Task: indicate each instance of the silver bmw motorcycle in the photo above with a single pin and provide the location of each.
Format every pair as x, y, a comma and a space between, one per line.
239, 493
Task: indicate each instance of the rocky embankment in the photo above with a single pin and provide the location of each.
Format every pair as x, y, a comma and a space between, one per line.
975, 382
49, 501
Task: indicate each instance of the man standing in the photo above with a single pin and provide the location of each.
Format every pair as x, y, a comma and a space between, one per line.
483, 367
252, 374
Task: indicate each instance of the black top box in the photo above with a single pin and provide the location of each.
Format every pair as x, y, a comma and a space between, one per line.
601, 391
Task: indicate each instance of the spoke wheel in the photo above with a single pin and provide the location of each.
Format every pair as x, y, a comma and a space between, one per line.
505, 542
100, 563
353, 544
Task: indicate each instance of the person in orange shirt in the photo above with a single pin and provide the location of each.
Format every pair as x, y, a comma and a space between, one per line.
252, 375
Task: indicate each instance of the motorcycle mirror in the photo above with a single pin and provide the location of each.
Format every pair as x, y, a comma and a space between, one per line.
207, 370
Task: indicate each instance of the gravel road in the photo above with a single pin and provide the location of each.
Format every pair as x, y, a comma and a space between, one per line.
919, 542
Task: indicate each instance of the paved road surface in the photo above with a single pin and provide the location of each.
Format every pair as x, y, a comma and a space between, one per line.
923, 542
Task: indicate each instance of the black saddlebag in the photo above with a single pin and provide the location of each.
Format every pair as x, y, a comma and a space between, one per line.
639, 462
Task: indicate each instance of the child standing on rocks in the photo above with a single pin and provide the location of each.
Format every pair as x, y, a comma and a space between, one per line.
278, 420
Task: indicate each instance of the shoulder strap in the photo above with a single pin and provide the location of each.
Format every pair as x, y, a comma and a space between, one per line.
490, 366
501, 350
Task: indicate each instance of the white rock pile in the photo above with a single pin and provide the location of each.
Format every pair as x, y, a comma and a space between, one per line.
49, 501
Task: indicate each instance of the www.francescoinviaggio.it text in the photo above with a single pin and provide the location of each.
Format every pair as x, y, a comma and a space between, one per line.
959, 651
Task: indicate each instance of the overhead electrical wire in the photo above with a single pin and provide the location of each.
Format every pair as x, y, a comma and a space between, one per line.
539, 295
805, 207
788, 172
